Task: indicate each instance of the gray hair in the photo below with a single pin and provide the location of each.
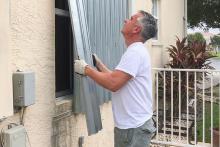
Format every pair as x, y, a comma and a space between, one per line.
149, 25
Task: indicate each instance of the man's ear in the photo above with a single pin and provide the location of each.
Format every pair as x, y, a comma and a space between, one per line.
137, 29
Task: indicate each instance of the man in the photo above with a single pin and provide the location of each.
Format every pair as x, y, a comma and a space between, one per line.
130, 83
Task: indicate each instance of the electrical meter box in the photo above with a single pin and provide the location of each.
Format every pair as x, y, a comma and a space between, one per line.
23, 88
15, 137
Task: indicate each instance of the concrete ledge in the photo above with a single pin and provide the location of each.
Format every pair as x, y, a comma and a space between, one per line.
156, 43
63, 108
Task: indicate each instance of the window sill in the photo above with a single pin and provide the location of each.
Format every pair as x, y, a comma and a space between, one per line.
63, 108
156, 43
64, 98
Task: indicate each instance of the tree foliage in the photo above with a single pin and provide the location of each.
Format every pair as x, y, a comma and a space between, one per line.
204, 12
215, 40
196, 37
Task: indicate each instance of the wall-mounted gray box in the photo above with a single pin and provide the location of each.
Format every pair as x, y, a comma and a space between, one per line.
15, 137
23, 88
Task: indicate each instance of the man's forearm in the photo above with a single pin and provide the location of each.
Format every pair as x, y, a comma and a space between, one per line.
103, 68
104, 79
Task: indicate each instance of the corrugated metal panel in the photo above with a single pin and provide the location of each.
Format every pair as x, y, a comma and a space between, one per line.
105, 20
86, 93
96, 25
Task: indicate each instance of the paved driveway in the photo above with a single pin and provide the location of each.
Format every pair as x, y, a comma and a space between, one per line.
216, 75
215, 63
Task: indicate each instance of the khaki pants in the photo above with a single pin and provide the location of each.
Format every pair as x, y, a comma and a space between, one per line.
134, 137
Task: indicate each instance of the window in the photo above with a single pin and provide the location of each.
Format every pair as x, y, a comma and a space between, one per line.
63, 49
96, 28
155, 10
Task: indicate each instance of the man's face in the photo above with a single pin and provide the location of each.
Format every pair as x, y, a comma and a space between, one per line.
131, 24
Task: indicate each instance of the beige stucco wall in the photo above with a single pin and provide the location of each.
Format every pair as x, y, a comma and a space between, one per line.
31, 39
32, 47
171, 24
67, 130
5, 75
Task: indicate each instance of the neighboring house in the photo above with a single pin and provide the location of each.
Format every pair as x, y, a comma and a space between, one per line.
27, 42
207, 36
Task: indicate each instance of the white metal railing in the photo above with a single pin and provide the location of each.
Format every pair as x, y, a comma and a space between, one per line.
185, 105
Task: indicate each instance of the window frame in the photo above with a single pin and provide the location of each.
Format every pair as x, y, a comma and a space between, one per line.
63, 93
155, 5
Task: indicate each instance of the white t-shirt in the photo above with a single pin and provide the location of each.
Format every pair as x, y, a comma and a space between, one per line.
132, 104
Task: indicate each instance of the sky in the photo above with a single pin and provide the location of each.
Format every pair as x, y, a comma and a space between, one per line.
211, 30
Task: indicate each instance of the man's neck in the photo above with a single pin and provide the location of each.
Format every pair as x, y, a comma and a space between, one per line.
129, 42
132, 39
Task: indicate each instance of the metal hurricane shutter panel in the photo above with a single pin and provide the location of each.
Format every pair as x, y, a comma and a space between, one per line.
96, 27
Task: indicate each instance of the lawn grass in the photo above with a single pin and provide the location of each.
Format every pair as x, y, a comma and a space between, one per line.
216, 91
208, 122
216, 54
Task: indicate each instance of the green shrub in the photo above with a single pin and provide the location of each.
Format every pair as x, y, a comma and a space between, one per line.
183, 56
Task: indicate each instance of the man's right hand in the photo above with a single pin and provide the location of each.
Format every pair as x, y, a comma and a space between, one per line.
96, 61
99, 65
